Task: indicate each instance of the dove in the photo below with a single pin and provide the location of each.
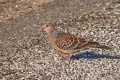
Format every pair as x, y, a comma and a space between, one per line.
68, 43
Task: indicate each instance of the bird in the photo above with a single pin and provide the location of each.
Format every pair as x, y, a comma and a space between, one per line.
68, 43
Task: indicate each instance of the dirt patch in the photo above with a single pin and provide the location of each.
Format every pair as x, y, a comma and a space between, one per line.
15, 8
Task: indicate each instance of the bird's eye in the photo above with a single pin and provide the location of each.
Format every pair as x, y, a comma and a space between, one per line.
47, 25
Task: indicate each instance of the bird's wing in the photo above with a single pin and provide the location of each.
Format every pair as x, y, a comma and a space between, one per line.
68, 41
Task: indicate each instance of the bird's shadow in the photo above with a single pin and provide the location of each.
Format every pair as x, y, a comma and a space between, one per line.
92, 55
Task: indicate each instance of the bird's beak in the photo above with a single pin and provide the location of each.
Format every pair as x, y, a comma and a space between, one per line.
43, 28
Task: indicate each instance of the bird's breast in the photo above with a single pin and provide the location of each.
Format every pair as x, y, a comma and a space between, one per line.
52, 41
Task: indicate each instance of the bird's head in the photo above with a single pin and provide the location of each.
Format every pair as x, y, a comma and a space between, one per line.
48, 27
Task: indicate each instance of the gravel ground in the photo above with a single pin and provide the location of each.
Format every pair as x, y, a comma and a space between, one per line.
25, 53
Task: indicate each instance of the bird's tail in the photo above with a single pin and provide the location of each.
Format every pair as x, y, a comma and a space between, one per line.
97, 45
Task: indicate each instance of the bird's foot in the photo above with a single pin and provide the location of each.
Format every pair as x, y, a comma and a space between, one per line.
69, 58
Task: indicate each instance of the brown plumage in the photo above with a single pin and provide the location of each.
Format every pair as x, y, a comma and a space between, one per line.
68, 43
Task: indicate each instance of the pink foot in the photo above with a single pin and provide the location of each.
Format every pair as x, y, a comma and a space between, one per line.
69, 58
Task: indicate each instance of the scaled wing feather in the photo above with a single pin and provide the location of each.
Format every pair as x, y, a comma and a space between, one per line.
69, 41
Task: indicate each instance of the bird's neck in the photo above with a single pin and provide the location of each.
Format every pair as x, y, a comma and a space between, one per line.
52, 31
52, 35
